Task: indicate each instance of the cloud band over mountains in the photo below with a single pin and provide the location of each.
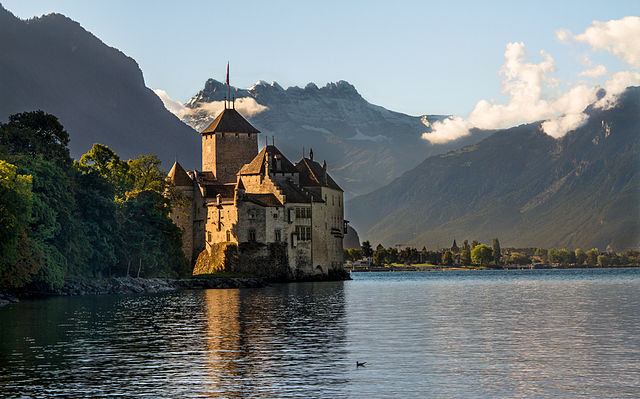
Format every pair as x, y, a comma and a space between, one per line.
526, 85
245, 105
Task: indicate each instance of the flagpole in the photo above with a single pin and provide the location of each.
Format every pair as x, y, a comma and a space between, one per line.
228, 89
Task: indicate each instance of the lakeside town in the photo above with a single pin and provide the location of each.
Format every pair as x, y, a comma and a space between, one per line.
478, 256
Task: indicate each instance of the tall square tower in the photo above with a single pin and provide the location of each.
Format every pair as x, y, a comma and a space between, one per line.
228, 143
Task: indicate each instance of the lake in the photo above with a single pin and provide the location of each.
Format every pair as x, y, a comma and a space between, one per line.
471, 334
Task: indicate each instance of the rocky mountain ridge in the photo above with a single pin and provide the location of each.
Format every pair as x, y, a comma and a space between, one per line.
365, 145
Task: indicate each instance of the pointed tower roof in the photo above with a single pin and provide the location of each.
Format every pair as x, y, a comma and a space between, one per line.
179, 176
230, 121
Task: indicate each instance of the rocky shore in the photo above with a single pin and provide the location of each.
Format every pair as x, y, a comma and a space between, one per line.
130, 285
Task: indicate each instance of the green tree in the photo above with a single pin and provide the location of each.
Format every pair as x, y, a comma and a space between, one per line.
97, 215
604, 260
580, 256
355, 254
144, 173
379, 257
553, 256
15, 214
474, 244
518, 258
497, 253
481, 254
592, 256
151, 238
366, 249
391, 256
465, 256
102, 160
542, 253
36, 134
447, 258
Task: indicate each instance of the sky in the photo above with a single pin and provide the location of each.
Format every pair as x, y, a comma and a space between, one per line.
462, 58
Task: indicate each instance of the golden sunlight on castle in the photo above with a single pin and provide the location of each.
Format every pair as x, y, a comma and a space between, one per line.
257, 200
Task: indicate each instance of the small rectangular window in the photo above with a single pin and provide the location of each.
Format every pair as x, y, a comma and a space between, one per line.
303, 233
228, 236
303, 213
278, 236
252, 235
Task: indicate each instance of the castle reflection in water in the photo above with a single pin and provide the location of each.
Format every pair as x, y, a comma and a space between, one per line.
262, 342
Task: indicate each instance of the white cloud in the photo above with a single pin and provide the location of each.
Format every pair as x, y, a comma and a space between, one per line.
247, 106
615, 86
449, 129
558, 127
594, 72
526, 85
619, 37
175, 107
563, 35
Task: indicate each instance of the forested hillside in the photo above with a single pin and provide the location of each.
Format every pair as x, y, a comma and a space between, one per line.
97, 217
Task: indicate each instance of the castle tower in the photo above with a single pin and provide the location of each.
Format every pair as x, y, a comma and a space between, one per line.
182, 214
228, 143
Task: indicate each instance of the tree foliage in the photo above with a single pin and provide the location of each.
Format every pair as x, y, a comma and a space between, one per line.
91, 218
366, 249
517, 258
497, 253
481, 254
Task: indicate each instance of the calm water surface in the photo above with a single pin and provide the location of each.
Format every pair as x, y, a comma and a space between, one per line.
513, 334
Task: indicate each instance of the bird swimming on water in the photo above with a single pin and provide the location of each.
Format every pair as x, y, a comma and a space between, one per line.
358, 364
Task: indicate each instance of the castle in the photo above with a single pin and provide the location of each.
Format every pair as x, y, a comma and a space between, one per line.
256, 200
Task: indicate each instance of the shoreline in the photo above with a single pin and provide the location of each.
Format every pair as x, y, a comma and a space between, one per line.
140, 285
129, 285
383, 269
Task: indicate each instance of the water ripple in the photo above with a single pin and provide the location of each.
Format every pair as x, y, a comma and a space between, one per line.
518, 334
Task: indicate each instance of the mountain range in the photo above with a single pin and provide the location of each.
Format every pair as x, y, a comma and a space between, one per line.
97, 92
517, 184
99, 95
366, 146
522, 186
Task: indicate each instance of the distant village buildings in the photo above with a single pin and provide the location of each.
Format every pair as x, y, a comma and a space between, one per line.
258, 200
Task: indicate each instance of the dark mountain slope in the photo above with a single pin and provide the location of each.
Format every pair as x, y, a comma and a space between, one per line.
522, 186
97, 92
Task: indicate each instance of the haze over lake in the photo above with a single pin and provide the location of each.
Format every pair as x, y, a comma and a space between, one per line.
515, 334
